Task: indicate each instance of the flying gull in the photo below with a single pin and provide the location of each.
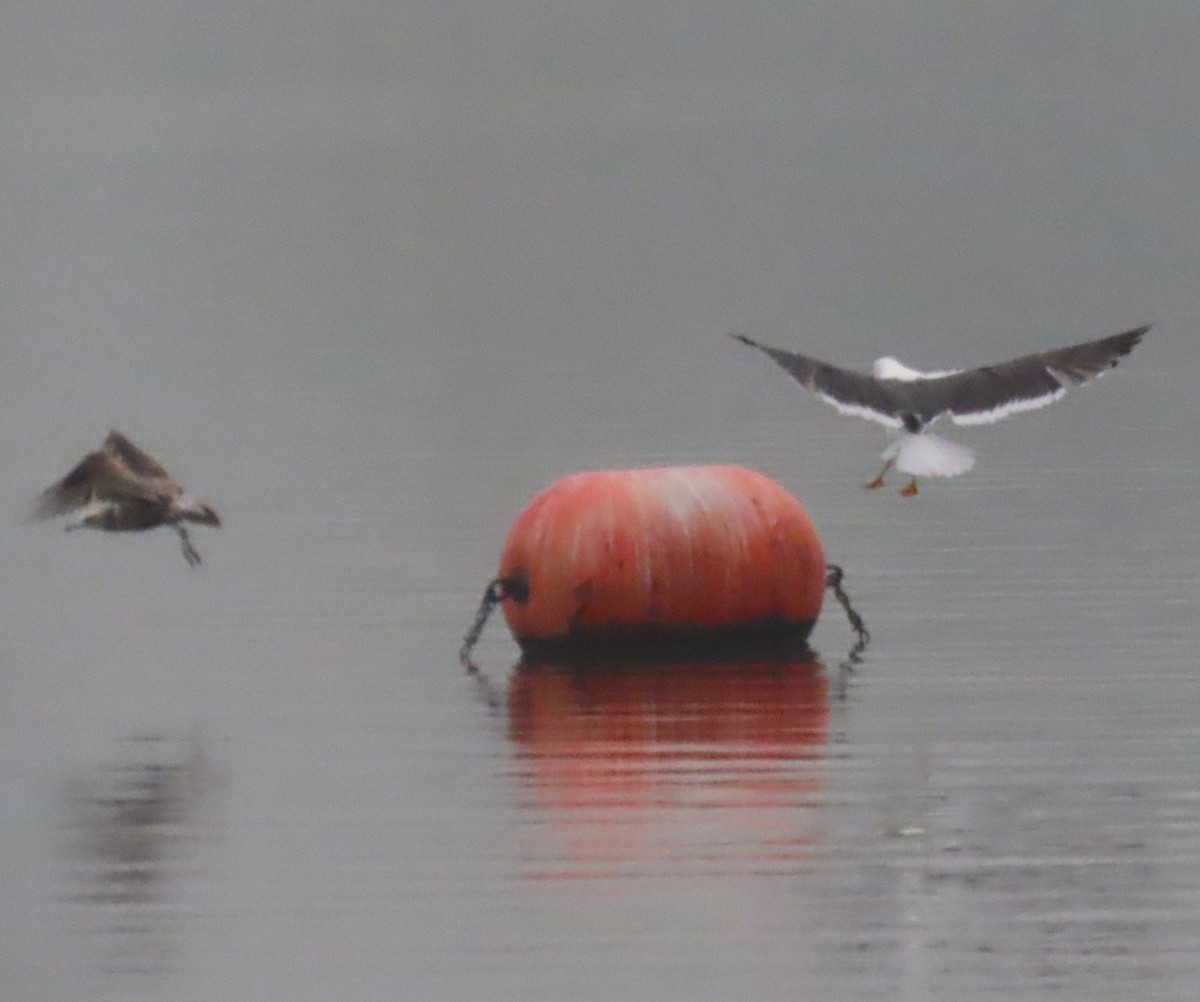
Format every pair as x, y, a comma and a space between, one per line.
908, 401
120, 488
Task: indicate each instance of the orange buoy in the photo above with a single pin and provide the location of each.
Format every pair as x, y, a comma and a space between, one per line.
663, 554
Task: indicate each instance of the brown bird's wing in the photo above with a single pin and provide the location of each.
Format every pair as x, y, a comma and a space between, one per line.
98, 476
141, 463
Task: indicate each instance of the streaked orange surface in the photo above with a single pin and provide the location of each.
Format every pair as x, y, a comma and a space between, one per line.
691, 547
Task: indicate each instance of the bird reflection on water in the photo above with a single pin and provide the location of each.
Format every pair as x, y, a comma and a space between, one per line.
130, 829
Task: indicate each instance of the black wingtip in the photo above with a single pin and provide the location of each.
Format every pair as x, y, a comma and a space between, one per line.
1130, 339
745, 340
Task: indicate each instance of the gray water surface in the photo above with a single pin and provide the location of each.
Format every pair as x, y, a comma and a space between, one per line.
368, 278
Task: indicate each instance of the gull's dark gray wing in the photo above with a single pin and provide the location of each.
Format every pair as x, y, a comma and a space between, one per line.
994, 392
850, 392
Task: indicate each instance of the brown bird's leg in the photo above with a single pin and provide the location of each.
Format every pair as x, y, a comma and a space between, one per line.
878, 481
911, 490
190, 553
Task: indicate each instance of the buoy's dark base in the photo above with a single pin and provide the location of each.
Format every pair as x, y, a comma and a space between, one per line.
765, 638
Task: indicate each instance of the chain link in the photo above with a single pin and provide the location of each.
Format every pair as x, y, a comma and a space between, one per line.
515, 587
833, 581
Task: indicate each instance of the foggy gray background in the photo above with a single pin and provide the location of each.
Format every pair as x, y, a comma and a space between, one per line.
368, 276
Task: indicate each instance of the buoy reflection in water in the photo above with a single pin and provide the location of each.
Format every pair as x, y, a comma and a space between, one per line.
659, 768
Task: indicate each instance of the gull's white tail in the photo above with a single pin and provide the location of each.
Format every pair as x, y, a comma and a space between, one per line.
926, 455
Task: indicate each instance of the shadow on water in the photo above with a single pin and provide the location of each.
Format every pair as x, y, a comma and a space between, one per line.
131, 832
650, 768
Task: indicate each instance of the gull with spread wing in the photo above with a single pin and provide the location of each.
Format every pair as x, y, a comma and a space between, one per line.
908, 401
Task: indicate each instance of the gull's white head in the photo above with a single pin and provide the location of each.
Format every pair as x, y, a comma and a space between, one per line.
889, 368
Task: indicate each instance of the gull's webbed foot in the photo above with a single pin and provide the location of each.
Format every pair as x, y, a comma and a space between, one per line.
875, 484
190, 553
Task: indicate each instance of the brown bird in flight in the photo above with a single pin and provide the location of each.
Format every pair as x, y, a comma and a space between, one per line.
120, 488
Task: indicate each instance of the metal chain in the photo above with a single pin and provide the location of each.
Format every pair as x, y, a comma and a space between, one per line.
833, 581
516, 587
